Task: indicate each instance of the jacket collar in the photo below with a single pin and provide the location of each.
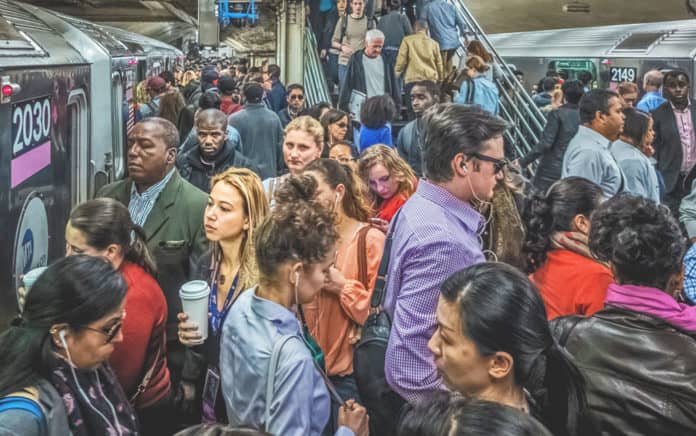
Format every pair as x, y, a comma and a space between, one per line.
225, 154
159, 215
284, 319
594, 136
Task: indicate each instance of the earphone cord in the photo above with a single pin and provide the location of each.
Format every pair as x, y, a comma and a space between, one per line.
117, 426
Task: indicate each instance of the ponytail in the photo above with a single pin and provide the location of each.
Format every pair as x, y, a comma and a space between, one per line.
554, 211
139, 253
334, 174
566, 406
23, 350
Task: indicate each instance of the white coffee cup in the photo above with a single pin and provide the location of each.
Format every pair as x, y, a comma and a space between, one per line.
194, 301
28, 281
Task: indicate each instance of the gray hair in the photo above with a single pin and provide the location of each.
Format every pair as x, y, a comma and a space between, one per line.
373, 34
652, 78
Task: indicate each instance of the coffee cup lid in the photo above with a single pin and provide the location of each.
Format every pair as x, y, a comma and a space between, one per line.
194, 290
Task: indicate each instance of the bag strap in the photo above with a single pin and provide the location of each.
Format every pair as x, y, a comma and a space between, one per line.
145, 382
344, 28
271, 189
362, 256
270, 379
381, 281
470, 91
20, 401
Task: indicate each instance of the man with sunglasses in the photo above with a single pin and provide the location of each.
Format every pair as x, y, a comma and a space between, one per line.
435, 234
295, 104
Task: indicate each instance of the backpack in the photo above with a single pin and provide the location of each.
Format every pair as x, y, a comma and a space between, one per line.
481, 92
25, 401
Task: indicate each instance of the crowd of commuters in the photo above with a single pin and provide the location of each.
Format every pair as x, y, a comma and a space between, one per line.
373, 270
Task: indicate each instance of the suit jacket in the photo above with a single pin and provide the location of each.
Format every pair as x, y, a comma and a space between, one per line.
175, 235
667, 144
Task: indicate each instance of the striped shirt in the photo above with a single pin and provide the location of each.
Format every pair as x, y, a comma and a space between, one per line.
141, 205
435, 236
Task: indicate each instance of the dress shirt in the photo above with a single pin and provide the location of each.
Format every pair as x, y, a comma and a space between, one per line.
639, 172
141, 204
300, 404
588, 156
686, 133
690, 274
435, 236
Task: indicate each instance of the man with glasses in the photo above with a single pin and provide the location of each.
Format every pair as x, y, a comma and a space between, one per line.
295, 104
435, 234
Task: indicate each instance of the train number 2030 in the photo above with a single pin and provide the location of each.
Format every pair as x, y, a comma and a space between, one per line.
31, 124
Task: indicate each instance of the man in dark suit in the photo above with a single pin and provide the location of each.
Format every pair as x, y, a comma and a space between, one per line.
169, 209
674, 143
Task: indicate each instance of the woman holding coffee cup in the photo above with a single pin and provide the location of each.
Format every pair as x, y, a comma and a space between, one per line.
236, 205
271, 369
103, 228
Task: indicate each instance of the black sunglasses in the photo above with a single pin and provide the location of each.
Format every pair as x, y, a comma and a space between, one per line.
110, 333
297, 97
498, 164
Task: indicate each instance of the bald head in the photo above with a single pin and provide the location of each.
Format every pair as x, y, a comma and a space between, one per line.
212, 118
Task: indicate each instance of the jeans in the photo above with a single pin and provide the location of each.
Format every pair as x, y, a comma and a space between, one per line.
342, 70
348, 390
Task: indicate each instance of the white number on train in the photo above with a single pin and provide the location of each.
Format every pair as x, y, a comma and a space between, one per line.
31, 124
623, 74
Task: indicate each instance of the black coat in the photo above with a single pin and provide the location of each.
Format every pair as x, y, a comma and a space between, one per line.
561, 126
198, 174
355, 80
667, 144
639, 371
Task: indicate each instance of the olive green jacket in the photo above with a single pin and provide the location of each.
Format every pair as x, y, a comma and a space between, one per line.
175, 235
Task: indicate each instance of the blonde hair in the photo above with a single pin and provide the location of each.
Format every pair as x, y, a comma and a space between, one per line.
310, 126
397, 167
249, 186
141, 95
188, 77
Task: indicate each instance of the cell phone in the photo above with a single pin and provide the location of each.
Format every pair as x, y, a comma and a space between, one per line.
378, 221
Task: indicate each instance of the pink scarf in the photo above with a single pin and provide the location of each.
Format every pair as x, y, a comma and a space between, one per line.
653, 302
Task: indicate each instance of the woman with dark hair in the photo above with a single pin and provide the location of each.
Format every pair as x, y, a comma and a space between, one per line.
638, 354
561, 126
54, 375
271, 368
570, 279
477, 89
317, 111
344, 301
640, 176
376, 116
453, 415
337, 128
103, 228
493, 343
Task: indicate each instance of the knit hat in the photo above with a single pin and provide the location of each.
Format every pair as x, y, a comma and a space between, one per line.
156, 84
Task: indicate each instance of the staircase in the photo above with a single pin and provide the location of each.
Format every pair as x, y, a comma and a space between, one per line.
316, 89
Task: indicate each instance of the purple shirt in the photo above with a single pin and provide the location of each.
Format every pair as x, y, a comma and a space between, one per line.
435, 236
686, 134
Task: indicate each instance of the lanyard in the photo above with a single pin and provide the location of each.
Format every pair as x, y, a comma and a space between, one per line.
217, 317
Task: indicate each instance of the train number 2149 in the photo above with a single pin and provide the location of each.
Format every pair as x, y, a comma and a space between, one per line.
31, 124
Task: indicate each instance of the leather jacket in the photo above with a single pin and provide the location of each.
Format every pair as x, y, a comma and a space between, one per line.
640, 371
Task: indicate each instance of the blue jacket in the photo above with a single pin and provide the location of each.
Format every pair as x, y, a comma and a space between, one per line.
443, 22
485, 94
277, 96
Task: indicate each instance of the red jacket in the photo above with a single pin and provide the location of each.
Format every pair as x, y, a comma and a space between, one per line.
143, 338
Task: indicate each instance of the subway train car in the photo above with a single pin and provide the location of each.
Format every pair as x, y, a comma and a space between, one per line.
612, 54
65, 85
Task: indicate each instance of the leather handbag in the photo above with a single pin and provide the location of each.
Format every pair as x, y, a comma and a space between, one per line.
382, 403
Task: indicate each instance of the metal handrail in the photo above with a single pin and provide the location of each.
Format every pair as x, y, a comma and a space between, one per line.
316, 89
517, 106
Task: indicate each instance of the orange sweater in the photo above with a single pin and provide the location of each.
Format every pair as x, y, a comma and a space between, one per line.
331, 317
571, 284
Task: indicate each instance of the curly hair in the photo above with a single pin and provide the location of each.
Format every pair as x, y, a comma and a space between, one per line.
377, 111
249, 186
640, 238
298, 229
553, 211
397, 167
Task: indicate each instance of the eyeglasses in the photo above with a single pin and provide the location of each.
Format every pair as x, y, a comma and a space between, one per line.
110, 333
498, 164
342, 125
297, 97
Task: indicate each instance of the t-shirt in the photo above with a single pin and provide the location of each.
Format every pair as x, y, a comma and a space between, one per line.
354, 37
374, 76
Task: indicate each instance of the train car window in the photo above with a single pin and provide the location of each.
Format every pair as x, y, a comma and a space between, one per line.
80, 175
118, 121
573, 67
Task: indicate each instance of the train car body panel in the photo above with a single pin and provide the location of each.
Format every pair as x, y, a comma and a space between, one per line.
611, 53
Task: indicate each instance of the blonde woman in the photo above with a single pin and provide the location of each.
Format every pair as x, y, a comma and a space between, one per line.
303, 143
235, 206
389, 179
